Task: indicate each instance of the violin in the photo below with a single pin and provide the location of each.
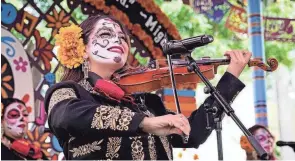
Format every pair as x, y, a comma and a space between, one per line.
154, 77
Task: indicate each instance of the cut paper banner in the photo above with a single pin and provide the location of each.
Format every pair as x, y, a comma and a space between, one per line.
237, 20
279, 29
217, 10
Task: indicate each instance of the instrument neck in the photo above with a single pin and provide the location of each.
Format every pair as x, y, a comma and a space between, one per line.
202, 62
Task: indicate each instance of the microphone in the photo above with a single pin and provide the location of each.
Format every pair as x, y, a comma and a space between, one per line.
186, 45
285, 143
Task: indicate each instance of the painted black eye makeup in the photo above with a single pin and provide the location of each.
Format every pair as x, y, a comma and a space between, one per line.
102, 36
25, 113
122, 36
105, 32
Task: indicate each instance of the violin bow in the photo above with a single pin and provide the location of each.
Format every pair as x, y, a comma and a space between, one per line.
173, 82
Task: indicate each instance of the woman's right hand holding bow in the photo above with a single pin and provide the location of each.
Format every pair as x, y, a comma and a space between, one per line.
166, 125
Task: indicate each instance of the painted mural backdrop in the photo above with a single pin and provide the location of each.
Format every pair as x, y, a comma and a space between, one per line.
29, 65
16, 74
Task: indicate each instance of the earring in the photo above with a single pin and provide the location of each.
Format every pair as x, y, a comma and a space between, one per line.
85, 68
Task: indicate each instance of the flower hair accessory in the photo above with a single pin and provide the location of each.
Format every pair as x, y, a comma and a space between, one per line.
245, 144
71, 47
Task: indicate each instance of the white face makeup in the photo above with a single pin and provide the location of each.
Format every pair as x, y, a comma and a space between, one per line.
265, 140
15, 120
108, 45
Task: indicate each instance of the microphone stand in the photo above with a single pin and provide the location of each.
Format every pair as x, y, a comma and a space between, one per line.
217, 119
224, 106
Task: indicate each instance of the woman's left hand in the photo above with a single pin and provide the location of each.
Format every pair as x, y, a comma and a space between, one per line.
238, 60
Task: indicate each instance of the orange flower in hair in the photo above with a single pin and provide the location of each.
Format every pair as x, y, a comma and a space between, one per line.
245, 144
71, 47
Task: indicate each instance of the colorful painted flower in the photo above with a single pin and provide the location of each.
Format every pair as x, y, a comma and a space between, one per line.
34, 137
26, 99
20, 64
7, 83
57, 21
43, 50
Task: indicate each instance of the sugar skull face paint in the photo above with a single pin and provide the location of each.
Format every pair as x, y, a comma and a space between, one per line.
108, 44
265, 140
15, 120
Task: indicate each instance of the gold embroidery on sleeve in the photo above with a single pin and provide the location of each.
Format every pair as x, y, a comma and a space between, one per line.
105, 117
166, 146
111, 117
113, 147
86, 149
152, 148
60, 95
137, 149
125, 119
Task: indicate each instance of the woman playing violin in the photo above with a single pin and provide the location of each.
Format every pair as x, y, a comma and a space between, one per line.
93, 118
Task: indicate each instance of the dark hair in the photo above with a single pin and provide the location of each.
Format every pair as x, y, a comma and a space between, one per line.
76, 74
7, 101
254, 128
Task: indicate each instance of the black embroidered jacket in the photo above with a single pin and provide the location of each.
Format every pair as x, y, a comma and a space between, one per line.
90, 126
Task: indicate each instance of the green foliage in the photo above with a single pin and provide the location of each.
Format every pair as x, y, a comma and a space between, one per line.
190, 24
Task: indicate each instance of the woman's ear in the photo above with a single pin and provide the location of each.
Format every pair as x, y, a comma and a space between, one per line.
86, 56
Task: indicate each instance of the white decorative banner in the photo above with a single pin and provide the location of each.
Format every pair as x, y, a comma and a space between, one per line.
16, 74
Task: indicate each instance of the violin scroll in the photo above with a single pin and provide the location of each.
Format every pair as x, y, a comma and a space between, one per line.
272, 64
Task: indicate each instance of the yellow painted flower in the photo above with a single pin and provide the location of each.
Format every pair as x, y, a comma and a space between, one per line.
34, 137
71, 47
